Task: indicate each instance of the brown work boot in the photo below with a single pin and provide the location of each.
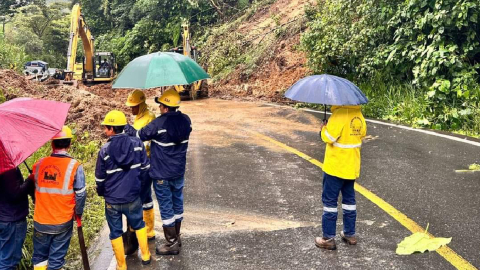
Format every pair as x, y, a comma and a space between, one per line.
351, 240
178, 225
172, 247
322, 242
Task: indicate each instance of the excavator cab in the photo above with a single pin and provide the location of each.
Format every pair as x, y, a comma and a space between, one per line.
105, 66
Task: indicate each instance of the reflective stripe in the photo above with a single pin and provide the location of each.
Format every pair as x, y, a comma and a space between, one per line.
168, 221
81, 190
178, 216
37, 170
349, 207
135, 166
330, 209
347, 145
162, 131
44, 263
148, 205
114, 170
329, 136
106, 157
55, 191
163, 144
167, 144
146, 167
68, 174
137, 149
66, 181
120, 169
99, 180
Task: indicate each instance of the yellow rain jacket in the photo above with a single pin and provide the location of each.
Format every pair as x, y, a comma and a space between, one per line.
343, 135
143, 118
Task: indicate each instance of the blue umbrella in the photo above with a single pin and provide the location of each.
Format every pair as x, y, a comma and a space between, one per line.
326, 89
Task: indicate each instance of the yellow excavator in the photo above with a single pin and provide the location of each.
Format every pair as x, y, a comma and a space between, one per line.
199, 88
96, 66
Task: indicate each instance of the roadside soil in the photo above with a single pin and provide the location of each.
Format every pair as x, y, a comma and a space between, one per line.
280, 67
89, 104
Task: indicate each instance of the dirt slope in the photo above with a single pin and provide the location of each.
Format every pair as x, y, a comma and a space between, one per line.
88, 104
277, 26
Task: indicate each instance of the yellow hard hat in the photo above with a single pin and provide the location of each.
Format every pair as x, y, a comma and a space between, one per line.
115, 118
134, 98
170, 98
65, 133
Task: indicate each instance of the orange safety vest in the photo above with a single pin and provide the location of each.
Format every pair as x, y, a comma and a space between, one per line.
54, 195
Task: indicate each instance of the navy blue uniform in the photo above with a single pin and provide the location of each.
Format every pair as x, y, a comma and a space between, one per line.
122, 166
169, 134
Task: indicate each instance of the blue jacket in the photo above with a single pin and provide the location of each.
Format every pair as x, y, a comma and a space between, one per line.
122, 166
13, 195
169, 134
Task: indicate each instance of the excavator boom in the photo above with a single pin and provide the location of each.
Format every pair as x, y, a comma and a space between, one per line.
87, 70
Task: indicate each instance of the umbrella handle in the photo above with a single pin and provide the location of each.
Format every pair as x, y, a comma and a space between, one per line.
28, 168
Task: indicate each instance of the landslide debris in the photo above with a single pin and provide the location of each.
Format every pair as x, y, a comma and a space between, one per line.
257, 56
88, 104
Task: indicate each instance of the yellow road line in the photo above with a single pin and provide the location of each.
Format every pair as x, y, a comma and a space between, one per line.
447, 253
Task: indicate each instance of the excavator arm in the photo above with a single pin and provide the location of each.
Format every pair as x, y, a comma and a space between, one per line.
79, 28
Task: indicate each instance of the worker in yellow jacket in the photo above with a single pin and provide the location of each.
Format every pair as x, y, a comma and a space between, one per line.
343, 135
143, 116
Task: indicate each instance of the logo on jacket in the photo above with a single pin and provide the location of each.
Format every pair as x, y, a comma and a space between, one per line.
356, 126
50, 174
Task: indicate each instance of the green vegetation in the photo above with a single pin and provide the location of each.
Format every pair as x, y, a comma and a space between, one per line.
131, 28
229, 50
35, 31
418, 61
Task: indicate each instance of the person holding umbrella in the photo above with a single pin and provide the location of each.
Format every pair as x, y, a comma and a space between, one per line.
169, 133
143, 116
60, 194
14, 193
27, 124
343, 134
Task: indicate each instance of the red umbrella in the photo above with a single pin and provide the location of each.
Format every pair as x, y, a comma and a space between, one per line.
25, 125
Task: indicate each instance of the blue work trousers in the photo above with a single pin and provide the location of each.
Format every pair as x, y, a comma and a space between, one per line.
146, 194
331, 189
12, 236
51, 249
133, 212
170, 198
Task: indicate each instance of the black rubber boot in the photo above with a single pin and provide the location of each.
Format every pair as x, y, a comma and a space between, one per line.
172, 247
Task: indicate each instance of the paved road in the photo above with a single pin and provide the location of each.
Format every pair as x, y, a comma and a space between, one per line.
251, 204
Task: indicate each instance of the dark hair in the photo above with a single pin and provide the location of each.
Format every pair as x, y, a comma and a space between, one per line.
170, 109
116, 129
62, 143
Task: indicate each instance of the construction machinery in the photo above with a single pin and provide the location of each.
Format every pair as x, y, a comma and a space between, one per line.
96, 66
39, 70
199, 88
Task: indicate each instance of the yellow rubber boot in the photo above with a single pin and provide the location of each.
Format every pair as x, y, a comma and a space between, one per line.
149, 218
118, 249
143, 243
43, 267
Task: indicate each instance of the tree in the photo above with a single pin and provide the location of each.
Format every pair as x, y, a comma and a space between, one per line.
8, 9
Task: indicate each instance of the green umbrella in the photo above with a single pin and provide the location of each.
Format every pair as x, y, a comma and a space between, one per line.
159, 69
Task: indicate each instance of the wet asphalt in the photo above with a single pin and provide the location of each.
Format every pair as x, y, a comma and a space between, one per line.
412, 171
